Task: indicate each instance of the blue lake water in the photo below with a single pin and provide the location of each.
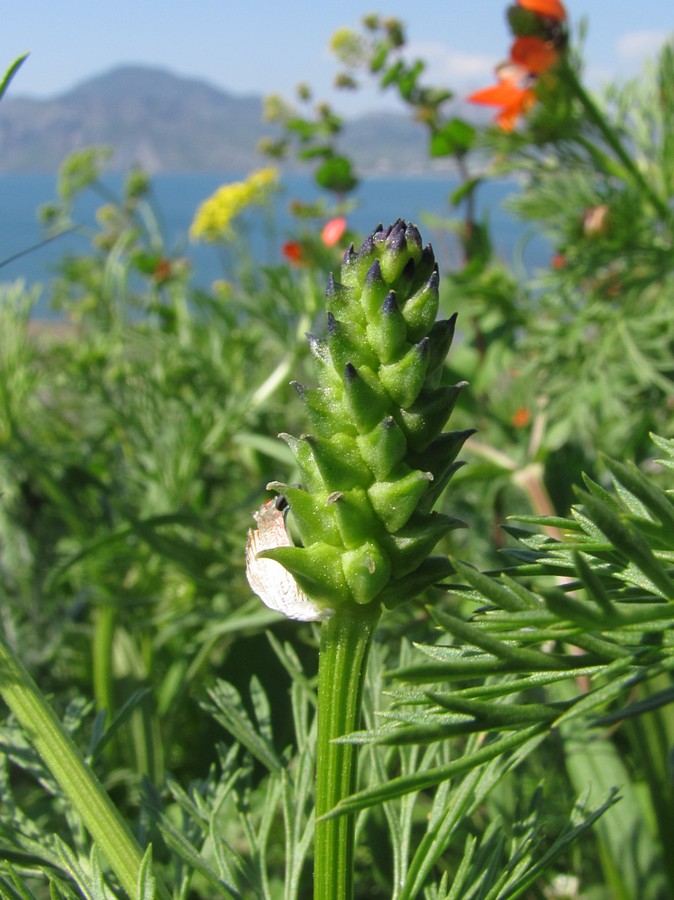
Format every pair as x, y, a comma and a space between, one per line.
177, 197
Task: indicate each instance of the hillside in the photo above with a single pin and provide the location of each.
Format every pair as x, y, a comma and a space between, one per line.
168, 123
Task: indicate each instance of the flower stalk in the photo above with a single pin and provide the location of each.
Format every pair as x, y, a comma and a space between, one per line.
345, 643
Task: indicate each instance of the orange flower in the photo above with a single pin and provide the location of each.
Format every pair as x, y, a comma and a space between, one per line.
512, 94
521, 417
553, 9
534, 54
333, 231
530, 57
293, 252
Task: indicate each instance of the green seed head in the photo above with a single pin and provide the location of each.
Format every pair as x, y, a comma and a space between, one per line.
378, 458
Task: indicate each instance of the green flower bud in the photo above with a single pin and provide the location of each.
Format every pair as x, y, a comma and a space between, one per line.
404, 378
364, 399
356, 519
339, 461
387, 330
383, 447
374, 291
422, 307
395, 501
316, 568
367, 570
379, 458
412, 543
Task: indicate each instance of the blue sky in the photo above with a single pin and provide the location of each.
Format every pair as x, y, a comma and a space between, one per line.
269, 47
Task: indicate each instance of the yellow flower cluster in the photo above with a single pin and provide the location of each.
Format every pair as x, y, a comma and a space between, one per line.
214, 217
348, 46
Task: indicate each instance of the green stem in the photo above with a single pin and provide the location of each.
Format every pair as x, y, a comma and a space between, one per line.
76, 779
345, 645
595, 115
105, 621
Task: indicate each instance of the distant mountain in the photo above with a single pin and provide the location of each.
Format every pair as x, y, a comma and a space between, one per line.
167, 123
149, 116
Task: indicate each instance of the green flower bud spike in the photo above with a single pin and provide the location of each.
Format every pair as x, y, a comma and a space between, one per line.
378, 454
370, 474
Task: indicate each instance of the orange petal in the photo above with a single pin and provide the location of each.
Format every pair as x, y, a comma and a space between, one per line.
536, 55
507, 118
333, 230
502, 94
552, 8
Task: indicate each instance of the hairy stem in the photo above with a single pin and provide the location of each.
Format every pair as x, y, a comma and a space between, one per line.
345, 645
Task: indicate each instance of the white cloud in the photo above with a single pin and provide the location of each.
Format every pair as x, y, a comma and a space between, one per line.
447, 66
636, 46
